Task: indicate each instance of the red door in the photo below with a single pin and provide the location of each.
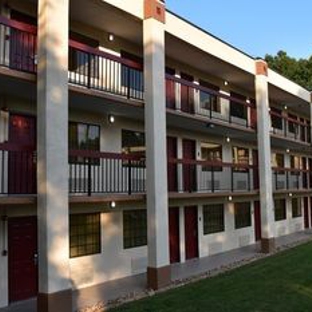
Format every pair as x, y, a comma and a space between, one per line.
22, 167
187, 95
253, 114
174, 235
170, 89
306, 212
255, 162
191, 232
172, 167
189, 170
304, 174
257, 214
23, 270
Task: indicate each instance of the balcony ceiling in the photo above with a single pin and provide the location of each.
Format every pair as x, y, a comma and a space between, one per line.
184, 53
103, 16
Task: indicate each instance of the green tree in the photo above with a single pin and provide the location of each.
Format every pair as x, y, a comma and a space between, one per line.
297, 70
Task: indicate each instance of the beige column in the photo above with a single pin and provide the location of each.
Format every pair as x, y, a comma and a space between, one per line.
158, 272
55, 292
264, 152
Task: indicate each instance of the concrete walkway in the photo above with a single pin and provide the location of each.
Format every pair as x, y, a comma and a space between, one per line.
129, 286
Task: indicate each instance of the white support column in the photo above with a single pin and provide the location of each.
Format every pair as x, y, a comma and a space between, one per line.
55, 293
158, 272
264, 152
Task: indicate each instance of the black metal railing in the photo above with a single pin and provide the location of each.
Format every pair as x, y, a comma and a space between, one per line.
91, 68
198, 100
105, 173
211, 177
18, 46
18, 170
290, 179
290, 127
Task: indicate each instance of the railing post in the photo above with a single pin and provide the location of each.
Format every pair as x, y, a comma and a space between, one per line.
128, 82
248, 180
210, 109
89, 177
129, 177
276, 182
287, 180
212, 180
89, 71
232, 179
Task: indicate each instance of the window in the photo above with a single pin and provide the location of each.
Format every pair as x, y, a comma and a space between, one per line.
292, 126
294, 164
280, 209
83, 137
242, 215
237, 109
83, 63
278, 160
276, 118
131, 77
208, 100
85, 234
241, 156
213, 219
133, 142
296, 207
134, 228
211, 152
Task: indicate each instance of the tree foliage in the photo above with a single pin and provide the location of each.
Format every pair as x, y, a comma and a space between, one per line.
297, 70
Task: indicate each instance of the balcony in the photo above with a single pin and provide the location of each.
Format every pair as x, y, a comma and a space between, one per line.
292, 180
212, 178
290, 127
99, 174
88, 67
211, 105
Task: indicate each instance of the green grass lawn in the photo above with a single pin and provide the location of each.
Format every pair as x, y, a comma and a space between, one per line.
282, 283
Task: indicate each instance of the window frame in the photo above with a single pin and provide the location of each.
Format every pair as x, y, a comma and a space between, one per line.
134, 235
296, 211
238, 110
236, 159
280, 211
246, 220
89, 147
212, 157
213, 101
213, 219
85, 235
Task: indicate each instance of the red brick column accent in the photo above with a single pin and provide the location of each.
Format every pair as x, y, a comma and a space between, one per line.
261, 68
155, 9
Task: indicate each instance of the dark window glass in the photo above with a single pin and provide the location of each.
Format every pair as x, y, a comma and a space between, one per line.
83, 63
241, 156
276, 121
211, 152
242, 215
295, 164
85, 234
292, 126
278, 160
134, 228
208, 100
280, 209
237, 109
131, 77
213, 219
296, 207
83, 137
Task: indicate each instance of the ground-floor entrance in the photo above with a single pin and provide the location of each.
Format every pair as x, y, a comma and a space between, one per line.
23, 266
191, 232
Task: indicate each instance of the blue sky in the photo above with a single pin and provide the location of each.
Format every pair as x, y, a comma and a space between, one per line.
256, 27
